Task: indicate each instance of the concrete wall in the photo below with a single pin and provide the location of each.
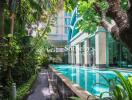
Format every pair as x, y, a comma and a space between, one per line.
57, 34
58, 28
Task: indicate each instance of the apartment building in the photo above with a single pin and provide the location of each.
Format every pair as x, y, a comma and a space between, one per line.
59, 35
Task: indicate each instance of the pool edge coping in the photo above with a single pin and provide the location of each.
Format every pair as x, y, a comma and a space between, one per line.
83, 94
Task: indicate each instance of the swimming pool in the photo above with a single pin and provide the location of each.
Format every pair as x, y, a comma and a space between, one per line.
87, 77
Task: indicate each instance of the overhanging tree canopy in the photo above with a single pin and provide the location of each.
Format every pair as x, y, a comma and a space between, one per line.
114, 15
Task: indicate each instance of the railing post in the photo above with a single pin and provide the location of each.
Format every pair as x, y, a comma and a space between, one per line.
14, 91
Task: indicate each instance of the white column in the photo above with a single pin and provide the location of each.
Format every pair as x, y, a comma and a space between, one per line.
72, 54
69, 56
80, 55
100, 48
86, 55
77, 55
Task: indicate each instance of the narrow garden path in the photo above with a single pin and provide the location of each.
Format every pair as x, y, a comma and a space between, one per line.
40, 90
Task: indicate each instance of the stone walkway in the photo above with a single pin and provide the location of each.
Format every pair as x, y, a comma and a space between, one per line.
40, 90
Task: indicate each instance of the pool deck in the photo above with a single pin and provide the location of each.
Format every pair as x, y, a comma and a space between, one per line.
123, 69
84, 95
115, 68
111, 68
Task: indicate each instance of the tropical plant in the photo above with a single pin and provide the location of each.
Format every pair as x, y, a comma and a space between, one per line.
120, 88
74, 98
18, 51
24, 88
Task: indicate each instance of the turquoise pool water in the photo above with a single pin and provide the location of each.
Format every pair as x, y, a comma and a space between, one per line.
87, 78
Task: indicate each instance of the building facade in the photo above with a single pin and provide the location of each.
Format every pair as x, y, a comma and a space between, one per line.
59, 34
97, 49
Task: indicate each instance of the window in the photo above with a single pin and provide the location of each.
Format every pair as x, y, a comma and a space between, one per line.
66, 30
67, 14
119, 55
67, 21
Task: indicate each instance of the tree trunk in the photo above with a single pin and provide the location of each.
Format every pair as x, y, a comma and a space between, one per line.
11, 18
9, 68
1, 19
11, 24
123, 22
9, 76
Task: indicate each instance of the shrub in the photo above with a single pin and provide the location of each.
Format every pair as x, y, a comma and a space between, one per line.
23, 89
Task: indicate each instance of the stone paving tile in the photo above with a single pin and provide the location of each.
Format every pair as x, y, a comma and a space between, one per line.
40, 89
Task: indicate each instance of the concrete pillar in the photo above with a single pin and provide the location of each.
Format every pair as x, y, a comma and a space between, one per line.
77, 55
14, 91
80, 54
72, 55
100, 48
69, 56
86, 53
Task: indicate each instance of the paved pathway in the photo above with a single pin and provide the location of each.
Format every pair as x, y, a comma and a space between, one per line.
40, 88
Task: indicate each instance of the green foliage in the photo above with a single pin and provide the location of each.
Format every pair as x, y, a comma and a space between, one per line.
90, 18
44, 52
124, 4
26, 13
74, 98
16, 66
19, 54
23, 89
26, 63
120, 88
16, 56
130, 79
9, 50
